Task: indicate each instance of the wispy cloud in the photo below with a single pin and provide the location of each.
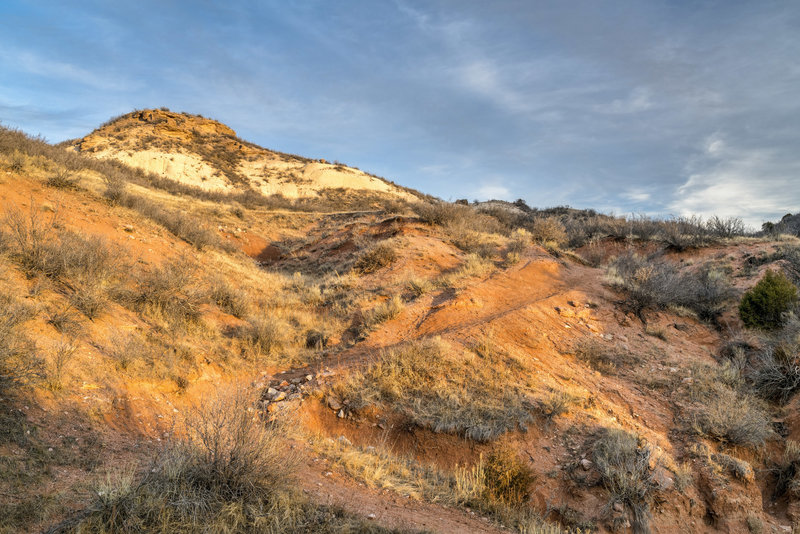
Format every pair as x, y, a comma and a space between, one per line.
752, 183
33, 63
647, 107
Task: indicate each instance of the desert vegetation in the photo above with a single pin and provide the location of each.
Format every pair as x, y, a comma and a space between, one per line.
437, 386
509, 364
230, 472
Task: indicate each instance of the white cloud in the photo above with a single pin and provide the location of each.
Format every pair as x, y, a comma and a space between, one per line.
751, 183
32, 63
638, 100
493, 191
636, 195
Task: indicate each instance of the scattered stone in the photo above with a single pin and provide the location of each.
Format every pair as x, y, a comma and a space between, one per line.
333, 404
344, 441
687, 380
296, 381
618, 507
271, 392
309, 378
664, 481
586, 464
371, 516
279, 396
341, 414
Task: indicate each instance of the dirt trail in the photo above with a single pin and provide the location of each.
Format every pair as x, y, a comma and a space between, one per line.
387, 508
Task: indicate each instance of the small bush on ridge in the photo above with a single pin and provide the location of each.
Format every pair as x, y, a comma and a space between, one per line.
764, 306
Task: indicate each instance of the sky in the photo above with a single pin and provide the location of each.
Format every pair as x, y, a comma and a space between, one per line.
659, 108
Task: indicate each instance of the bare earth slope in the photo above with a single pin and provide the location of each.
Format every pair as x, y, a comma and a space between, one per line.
402, 356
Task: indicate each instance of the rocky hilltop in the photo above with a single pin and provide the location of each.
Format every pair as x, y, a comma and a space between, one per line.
205, 153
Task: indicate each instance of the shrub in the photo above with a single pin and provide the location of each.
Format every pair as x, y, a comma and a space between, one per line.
19, 361
264, 334
624, 463
442, 213
229, 472
317, 339
519, 241
29, 235
654, 284
62, 179
60, 358
116, 189
17, 163
228, 298
546, 230
764, 306
170, 292
507, 477
725, 228
555, 404
776, 371
787, 471
377, 257
733, 417
680, 233
83, 267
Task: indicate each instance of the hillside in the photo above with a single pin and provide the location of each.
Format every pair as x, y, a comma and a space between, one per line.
204, 153
179, 361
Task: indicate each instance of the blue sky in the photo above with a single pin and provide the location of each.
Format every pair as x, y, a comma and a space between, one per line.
646, 107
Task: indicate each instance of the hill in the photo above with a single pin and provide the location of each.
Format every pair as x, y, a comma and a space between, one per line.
178, 359
204, 153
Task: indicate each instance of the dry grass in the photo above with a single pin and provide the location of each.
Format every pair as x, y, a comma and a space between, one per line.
419, 286
61, 356
169, 293
739, 469
624, 463
62, 179
651, 283
20, 363
729, 415
179, 223
473, 266
377, 257
436, 386
85, 268
228, 298
264, 335
604, 358
494, 486
548, 231
230, 472
386, 310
